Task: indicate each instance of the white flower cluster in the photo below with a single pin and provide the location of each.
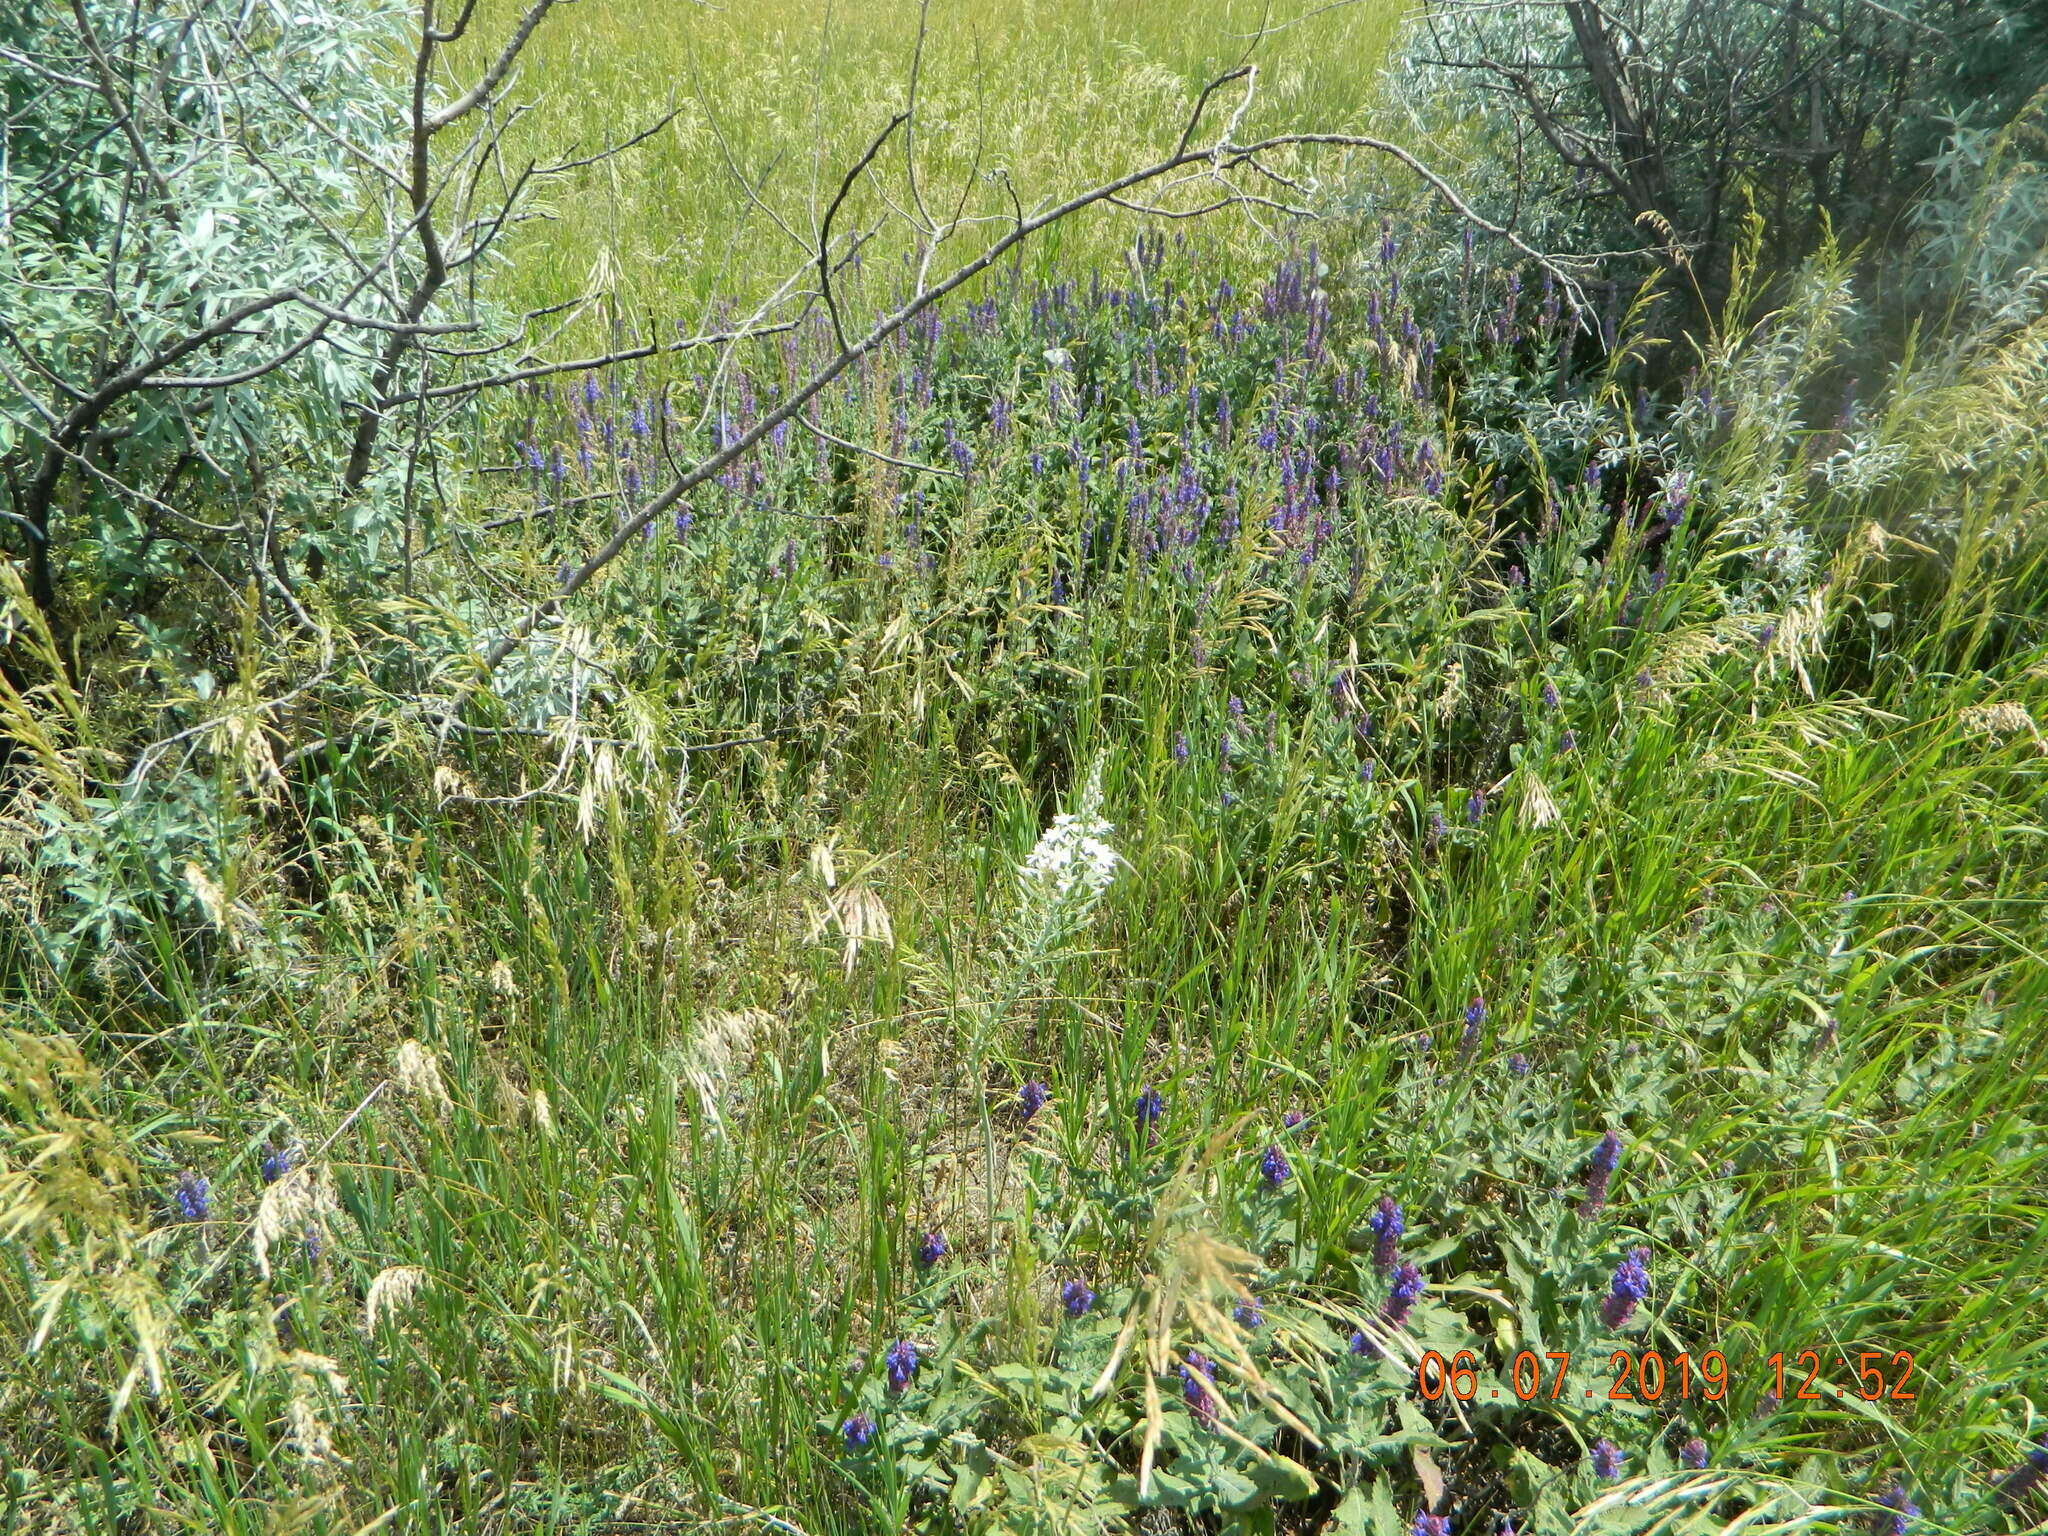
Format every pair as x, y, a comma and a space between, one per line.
1073, 857
1074, 863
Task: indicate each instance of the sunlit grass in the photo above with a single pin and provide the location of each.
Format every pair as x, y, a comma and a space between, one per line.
783, 95
1781, 926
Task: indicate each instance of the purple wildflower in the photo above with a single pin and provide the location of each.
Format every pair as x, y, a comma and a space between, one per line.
1361, 1345
1292, 1119
1149, 1108
1475, 807
1631, 1285
1549, 695
1387, 1227
1599, 1169
1407, 1290
1427, 1524
1475, 1024
1249, 1313
1519, 1065
1031, 1098
1606, 1460
932, 1249
193, 1196
1195, 1379
277, 1162
1180, 746
859, 1430
901, 1364
1693, 1454
1077, 1298
1274, 1168
2028, 1476
1903, 1510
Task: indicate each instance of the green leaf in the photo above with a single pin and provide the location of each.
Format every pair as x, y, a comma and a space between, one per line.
1282, 1477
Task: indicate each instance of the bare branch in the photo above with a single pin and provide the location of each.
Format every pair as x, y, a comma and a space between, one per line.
825, 230
817, 431
495, 75
1201, 104
585, 364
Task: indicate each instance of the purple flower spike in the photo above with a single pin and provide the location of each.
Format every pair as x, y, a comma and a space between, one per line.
1195, 1379
1631, 1285
859, 1430
901, 1364
1031, 1098
1427, 1524
1693, 1454
1249, 1314
1361, 1345
1274, 1168
1475, 1025
1292, 1119
277, 1162
933, 1248
1903, 1511
1599, 1169
193, 1197
1149, 1108
2028, 1476
1519, 1065
1606, 1460
1408, 1288
1077, 1298
1387, 1227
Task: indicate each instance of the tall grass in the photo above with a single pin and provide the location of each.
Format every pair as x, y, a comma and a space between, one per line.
774, 100
629, 1044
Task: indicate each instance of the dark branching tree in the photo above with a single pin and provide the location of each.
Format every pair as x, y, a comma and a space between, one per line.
233, 233
1663, 121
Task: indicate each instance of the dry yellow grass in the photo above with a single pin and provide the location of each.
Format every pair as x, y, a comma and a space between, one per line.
1048, 96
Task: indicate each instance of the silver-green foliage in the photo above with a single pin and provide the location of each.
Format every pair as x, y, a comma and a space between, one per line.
168, 166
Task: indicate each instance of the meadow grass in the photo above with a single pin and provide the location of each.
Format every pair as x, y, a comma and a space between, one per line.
779, 97
624, 1074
